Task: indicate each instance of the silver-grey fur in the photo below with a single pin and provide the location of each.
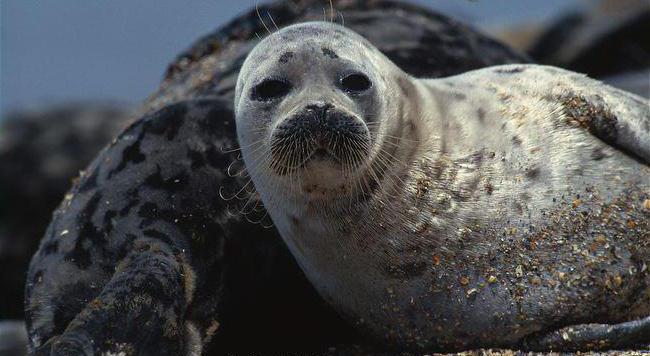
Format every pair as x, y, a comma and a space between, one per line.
497, 207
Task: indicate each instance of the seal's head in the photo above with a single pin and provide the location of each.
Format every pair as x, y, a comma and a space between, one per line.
313, 102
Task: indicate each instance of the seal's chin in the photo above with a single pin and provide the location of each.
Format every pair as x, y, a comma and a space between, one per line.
320, 156
323, 176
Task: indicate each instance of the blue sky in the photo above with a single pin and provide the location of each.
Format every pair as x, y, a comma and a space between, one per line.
56, 51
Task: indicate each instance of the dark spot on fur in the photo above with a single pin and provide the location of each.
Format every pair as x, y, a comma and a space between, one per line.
38, 276
598, 154
149, 212
476, 158
404, 85
285, 57
196, 158
91, 232
516, 140
480, 113
124, 250
127, 208
108, 221
75, 296
532, 172
598, 120
489, 188
88, 182
172, 184
518, 207
80, 255
217, 120
50, 247
510, 70
329, 53
90, 208
168, 121
459, 96
131, 154
159, 236
216, 159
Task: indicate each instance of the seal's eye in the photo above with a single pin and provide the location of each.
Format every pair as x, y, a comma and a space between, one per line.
270, 89
355, 83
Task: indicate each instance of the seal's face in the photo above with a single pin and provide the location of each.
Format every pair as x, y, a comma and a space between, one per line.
309, 108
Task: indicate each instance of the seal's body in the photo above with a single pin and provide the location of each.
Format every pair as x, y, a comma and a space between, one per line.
493, 208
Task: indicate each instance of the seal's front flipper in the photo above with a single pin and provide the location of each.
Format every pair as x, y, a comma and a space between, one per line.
592, 337
139, 312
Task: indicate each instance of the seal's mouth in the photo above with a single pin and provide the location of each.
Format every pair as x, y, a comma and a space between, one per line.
292, 158
321, 154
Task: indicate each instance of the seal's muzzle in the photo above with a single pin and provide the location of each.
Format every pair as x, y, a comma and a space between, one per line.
320, 131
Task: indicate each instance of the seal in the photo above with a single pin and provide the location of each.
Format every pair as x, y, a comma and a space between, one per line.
504, 207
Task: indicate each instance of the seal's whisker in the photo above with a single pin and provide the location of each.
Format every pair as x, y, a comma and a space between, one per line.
254, 157
359, 147
257, 10
373, 172
294, 159
273, 21
245, 186
281, 161
230, 168
357, 185
347, 168
385, 163
223, 196
232, 150
331, 11
342, 18
400, 138
244, 210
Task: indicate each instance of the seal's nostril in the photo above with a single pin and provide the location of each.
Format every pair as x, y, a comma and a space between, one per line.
318, 110
319, 106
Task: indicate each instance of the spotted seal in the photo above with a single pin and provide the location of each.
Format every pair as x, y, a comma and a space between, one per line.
504, 207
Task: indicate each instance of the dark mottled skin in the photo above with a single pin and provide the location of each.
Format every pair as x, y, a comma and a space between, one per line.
169, 167
37, 166
605, 38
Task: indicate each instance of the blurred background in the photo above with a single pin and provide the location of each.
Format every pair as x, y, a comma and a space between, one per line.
71, 50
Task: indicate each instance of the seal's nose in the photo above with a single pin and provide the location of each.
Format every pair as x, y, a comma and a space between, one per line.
321, 124
317, 111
